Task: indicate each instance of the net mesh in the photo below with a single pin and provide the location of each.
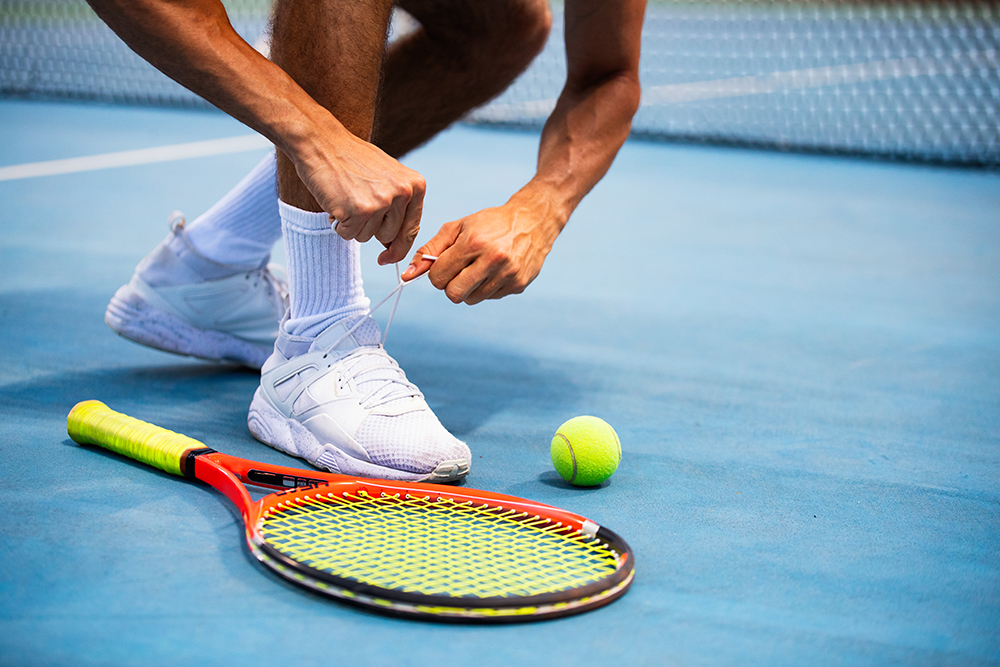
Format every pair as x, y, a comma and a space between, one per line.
435, 546
907, 79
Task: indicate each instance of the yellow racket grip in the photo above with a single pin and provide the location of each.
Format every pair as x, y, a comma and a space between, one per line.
94, 423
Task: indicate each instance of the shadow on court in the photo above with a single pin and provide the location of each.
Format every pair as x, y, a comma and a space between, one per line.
466, 384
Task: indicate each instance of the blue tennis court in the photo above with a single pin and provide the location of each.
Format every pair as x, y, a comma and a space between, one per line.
800, 354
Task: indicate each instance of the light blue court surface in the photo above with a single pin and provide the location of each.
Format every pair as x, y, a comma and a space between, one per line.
800, 354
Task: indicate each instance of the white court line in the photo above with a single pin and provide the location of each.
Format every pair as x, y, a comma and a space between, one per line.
817, 77
246, 142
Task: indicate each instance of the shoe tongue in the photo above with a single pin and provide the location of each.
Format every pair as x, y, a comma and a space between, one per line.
372, 372
366, 334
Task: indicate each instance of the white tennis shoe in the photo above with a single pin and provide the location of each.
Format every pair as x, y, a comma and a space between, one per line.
342, 403
169, 304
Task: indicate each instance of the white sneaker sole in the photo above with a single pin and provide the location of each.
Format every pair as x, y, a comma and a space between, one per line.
132, 317
289, 436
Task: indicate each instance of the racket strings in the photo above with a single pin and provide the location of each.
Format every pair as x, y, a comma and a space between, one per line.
436, 546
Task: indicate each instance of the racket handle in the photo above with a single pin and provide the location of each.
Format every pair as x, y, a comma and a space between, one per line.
93, 423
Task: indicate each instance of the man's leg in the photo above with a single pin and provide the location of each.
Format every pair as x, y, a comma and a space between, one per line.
463, 54
334, 50
330, 393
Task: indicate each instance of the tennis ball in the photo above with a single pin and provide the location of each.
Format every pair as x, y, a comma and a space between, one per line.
586, 451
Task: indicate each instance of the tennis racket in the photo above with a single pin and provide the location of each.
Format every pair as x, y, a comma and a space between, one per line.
417, 550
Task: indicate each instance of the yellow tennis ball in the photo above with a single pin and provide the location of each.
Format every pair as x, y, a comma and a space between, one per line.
586, 451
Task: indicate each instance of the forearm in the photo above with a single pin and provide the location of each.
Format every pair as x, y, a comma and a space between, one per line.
593, 115
499, 251
579, 142
192, 42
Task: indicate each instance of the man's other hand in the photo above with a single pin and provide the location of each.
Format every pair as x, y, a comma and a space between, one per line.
490, 254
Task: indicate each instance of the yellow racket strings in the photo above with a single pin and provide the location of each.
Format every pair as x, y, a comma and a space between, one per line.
92, 422
436, 547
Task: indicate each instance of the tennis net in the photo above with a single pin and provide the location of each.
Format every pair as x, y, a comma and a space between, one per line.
898, 79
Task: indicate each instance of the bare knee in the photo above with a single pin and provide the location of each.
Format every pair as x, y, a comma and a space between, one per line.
528, 26
512, 36
491, 33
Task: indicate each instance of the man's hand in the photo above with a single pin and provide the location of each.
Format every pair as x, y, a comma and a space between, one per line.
366, 191
490, 254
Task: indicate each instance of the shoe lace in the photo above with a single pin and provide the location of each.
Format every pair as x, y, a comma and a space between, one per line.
276, 289
387, 379
398, 292
373, 369
176, 221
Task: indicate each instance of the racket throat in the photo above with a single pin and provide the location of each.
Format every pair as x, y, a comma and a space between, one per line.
188, 459
280, 481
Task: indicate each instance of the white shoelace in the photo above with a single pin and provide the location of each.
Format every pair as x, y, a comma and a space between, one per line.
276, 289
385, 392
390, 383
398, 291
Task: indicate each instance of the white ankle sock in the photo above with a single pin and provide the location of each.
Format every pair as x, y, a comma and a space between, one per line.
241, 228
324, 273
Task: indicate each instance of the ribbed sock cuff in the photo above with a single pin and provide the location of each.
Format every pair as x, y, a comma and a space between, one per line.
324, 272
303, 221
